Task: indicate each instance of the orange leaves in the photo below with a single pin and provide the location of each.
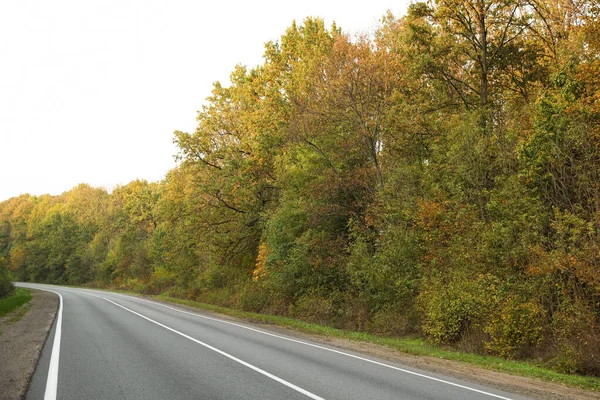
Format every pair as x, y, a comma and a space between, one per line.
261, 261
429, 214
442, 219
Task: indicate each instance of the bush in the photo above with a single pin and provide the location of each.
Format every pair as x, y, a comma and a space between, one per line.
453, 307
314, 308
516, 329
577, 333
389, 322
388, 276
134, 285
254, 297
448, 310
162, 280
6, 286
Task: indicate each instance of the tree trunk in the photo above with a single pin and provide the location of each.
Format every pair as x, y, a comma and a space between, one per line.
483, 90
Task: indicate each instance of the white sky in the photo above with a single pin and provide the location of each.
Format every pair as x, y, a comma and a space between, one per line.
92, 90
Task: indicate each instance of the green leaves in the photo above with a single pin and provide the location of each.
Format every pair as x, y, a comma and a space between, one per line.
439, 177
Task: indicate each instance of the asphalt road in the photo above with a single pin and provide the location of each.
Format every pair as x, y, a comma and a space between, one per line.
112, 346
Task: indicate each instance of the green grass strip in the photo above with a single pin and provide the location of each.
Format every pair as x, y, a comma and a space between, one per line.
414, 346
19, 314
10, 303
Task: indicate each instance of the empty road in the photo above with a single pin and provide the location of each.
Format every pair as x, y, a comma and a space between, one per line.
111, 346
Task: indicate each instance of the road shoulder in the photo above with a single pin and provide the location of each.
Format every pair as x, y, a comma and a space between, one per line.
21, 342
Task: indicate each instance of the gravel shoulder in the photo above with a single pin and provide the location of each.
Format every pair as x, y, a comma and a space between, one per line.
21, 341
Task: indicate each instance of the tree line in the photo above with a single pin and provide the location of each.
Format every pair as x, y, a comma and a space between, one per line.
439, 177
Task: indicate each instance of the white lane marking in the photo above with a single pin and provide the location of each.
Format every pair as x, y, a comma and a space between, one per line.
52, 382
321, 348
244, 363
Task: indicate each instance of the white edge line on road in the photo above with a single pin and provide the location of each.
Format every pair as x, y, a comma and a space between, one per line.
244, 363
321, 348
52, 382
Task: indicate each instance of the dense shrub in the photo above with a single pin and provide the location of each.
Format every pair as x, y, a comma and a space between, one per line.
576, 331
450, 308
516, 328
6, 286
391, 322
314, 308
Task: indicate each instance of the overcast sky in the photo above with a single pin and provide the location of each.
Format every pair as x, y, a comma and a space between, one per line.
92, 90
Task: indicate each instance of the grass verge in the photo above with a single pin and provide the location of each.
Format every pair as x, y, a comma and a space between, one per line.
10, 303
414, 346
19, 314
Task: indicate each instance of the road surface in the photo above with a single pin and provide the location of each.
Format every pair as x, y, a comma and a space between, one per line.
111, 346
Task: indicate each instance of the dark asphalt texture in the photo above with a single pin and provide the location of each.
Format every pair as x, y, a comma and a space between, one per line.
108, 352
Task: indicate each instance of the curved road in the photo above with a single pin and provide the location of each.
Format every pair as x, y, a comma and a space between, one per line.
112, 346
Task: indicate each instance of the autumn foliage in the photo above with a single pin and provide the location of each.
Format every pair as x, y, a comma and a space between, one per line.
439, 178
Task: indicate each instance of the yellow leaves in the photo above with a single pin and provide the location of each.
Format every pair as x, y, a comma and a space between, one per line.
261, 261
516, 327
16, 258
